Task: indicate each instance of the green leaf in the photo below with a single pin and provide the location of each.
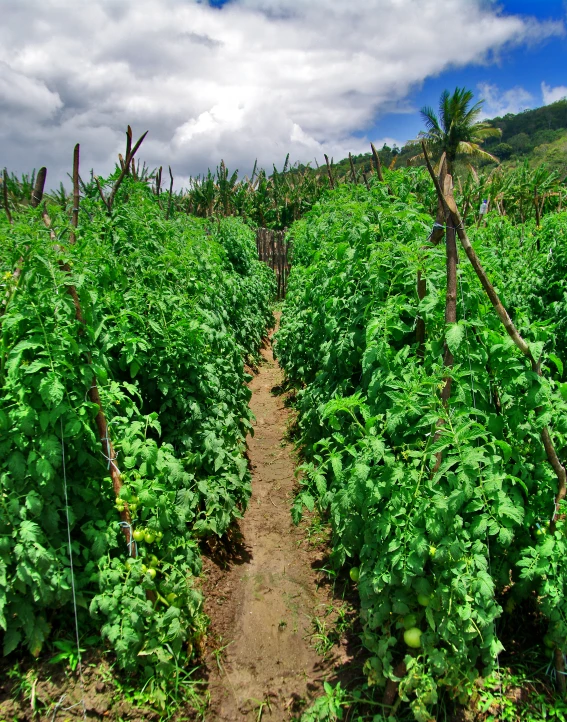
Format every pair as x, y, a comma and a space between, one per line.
12, 638
557, 361
454, 335
17, 465
51, 390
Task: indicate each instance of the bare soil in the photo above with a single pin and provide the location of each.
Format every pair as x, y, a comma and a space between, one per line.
264, 595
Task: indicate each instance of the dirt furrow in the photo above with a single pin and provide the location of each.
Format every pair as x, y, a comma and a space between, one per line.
263, 603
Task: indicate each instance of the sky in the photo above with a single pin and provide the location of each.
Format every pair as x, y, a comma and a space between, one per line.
255, 79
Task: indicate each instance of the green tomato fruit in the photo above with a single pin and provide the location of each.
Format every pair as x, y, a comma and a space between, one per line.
154, 561
152, 572
412, 637
159, 536
355, 574
171, 597
144, 568
409, 621
138, 535
149, 537
424, 600
129, 562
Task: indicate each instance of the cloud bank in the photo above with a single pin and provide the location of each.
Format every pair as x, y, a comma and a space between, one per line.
498, 103
551, 95
255, 79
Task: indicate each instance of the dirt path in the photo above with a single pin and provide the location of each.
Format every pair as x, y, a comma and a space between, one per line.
263, 605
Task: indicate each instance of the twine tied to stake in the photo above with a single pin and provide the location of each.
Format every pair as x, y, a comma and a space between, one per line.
132, 541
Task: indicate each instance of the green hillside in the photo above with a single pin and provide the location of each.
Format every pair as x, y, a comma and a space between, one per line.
539, 135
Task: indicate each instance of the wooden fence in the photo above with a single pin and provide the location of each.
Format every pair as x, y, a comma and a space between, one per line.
274, 250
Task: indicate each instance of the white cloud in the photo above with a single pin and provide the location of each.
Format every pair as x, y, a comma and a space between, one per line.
256, 79
551, 95
498, 103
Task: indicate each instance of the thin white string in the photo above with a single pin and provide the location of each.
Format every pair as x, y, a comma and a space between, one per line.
80, 664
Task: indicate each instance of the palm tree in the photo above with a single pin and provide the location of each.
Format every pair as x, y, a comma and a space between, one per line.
456, 131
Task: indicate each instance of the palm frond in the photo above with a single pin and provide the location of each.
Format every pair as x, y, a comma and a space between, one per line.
470, 148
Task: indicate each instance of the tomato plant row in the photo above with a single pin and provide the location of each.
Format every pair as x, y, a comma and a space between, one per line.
440, 508
172, 309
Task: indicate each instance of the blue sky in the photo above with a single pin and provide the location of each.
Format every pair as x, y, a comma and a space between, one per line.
521, 67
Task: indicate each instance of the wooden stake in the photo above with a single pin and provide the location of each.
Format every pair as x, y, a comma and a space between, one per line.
158, 180
129, 159
128, 149
76, 195
5, 192
377, 163
100, 419
352, 168
37, 193
331, 182
451, 207
170, 193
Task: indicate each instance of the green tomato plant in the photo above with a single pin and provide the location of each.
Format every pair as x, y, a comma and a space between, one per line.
437, 504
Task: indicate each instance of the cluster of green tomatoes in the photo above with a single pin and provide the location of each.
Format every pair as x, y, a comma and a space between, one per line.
133, 504
412, 633
147, 535
148, 568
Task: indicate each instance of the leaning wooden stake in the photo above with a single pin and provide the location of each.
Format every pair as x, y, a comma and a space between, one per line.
128, 148
5, 192
451, 294
377, 163
170, 192
37, 193
93, 393
76, 195
331, 181
379, 168
352, 171
451, 207
158, 180
100, 419
129, 159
